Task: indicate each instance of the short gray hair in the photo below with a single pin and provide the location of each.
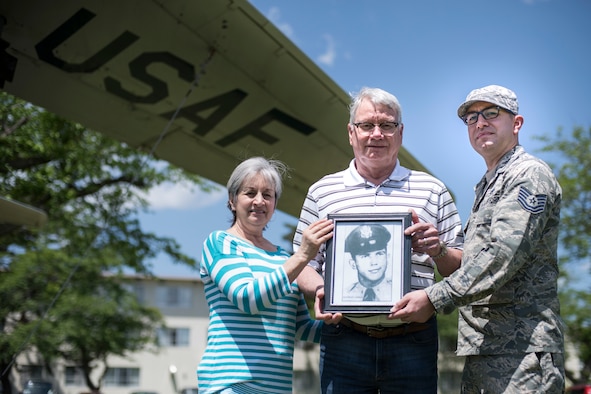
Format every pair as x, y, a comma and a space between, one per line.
272, 170
376, 96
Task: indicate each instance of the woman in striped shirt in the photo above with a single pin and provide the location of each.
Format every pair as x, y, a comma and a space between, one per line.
256, 310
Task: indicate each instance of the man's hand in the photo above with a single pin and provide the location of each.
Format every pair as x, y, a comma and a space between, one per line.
329, 318
424, 236
413, 307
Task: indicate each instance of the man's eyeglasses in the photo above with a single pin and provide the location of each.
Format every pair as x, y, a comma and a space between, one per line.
488, 113
386, 128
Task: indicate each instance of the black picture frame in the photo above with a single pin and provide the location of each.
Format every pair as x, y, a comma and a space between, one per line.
343, 282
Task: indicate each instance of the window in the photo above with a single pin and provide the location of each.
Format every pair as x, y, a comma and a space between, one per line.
74, 377
173, 296
29, 372
122, 377
136, 289
173, 336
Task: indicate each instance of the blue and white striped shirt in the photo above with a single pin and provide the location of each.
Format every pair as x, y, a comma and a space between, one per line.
255, 315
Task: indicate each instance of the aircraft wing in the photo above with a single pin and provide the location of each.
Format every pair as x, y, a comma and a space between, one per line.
14, 214
202, 84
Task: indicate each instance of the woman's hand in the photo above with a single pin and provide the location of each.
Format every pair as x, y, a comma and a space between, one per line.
314, 236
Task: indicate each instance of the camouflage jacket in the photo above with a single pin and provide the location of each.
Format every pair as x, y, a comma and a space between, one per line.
506, 288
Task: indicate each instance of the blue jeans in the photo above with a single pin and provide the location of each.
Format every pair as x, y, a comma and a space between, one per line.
354, 363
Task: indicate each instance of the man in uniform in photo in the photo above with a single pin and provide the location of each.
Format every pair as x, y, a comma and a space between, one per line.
367, 245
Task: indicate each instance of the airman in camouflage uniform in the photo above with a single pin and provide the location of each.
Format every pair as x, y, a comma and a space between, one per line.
506, 289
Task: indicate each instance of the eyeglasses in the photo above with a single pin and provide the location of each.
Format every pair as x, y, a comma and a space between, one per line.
488, 113
386, 128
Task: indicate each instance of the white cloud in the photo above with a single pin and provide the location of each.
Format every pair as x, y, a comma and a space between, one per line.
274, 15
181, 196
328, 57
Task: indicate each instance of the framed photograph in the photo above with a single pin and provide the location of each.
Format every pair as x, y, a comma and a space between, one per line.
367, 266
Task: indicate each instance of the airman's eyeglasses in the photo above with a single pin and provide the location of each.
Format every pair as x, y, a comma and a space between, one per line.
386, 128
488, 113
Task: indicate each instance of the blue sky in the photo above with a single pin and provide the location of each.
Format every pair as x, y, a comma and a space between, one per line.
430, 54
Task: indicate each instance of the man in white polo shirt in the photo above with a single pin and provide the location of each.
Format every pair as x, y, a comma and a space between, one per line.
370, 353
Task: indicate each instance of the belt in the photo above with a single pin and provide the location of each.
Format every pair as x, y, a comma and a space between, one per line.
384, 331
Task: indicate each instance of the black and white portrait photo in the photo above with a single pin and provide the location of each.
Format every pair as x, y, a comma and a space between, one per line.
367, 246
368, 263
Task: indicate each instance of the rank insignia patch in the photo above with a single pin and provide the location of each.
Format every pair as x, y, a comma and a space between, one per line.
530, 202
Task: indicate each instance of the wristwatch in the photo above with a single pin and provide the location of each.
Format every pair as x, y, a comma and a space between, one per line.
443, 251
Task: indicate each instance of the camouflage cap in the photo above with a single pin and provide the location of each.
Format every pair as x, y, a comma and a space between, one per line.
493, 94
367, 238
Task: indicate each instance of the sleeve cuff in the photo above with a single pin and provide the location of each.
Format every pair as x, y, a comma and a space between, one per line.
440, 299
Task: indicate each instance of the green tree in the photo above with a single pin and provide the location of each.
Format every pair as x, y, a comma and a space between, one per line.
51, 279
572, 163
